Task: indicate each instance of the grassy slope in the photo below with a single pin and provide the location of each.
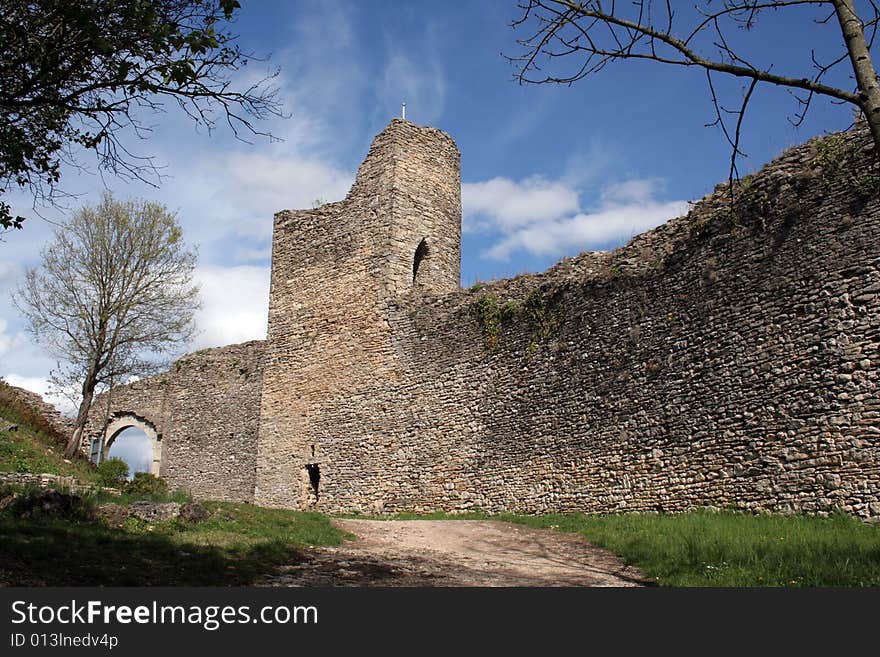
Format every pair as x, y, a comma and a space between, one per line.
35, 447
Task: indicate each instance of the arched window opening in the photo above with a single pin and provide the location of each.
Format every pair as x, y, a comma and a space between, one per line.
422, 252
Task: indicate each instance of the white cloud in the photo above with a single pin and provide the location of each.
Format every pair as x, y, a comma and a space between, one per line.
8, 272
630, 191
611, 223
235, 305
10, 341
256, 184
250, 255
543, 217
234, 195
5, 338
507, 204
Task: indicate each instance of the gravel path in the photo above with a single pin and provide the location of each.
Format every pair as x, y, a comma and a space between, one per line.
456, 553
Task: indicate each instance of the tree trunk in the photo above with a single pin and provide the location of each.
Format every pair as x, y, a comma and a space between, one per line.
81, 417
866, 74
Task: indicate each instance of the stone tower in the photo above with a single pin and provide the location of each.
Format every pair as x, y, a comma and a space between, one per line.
412, 177
337, 272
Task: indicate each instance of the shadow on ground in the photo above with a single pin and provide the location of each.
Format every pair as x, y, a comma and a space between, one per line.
50, 552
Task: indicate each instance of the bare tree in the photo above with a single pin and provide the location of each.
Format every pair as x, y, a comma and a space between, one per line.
594, 34
114, 292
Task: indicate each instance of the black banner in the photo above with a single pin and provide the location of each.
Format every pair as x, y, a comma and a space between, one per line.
159, 621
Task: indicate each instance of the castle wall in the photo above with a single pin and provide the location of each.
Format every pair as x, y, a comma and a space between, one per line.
205, 411
728, 358
724, 359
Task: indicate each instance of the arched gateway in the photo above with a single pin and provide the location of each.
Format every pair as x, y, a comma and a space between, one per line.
122, 422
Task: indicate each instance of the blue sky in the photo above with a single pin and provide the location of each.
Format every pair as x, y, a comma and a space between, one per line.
547, 171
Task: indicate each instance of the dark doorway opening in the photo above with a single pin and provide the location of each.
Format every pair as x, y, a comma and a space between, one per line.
314, 471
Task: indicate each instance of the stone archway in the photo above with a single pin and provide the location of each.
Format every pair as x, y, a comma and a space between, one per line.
120, 423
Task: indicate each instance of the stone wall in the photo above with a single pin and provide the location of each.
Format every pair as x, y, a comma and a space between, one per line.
58, 482
726, 358
50, 419
205, 412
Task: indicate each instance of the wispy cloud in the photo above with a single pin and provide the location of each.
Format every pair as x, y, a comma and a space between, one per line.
9, 340
414, 72
245, 189
419, 81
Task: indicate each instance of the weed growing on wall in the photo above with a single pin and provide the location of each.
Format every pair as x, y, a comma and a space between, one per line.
835, 156
533, 310
489, 314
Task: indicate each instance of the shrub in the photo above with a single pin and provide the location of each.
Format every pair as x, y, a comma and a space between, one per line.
144, 483
112, 473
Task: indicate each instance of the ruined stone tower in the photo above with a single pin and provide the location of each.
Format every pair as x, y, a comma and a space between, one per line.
337, 272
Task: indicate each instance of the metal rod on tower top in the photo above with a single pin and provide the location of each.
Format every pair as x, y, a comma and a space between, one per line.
403, 112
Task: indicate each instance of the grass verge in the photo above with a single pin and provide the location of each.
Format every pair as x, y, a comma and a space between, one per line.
733, 549
27, 450
724, 549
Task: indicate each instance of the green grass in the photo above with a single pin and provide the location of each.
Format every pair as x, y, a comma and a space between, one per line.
35, 447
179, 496
237, 545
733, 549
27, 450
723, 549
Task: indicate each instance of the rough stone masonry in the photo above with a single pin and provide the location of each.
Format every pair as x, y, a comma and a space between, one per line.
727, 358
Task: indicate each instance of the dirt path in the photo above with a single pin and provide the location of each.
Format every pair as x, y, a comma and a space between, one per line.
456, 553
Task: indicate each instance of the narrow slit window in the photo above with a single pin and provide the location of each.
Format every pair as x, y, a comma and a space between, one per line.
314, 471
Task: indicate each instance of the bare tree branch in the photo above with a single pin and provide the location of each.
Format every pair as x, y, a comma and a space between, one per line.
593, 34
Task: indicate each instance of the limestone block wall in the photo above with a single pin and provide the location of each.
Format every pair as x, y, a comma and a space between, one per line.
726, 358
205, 411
